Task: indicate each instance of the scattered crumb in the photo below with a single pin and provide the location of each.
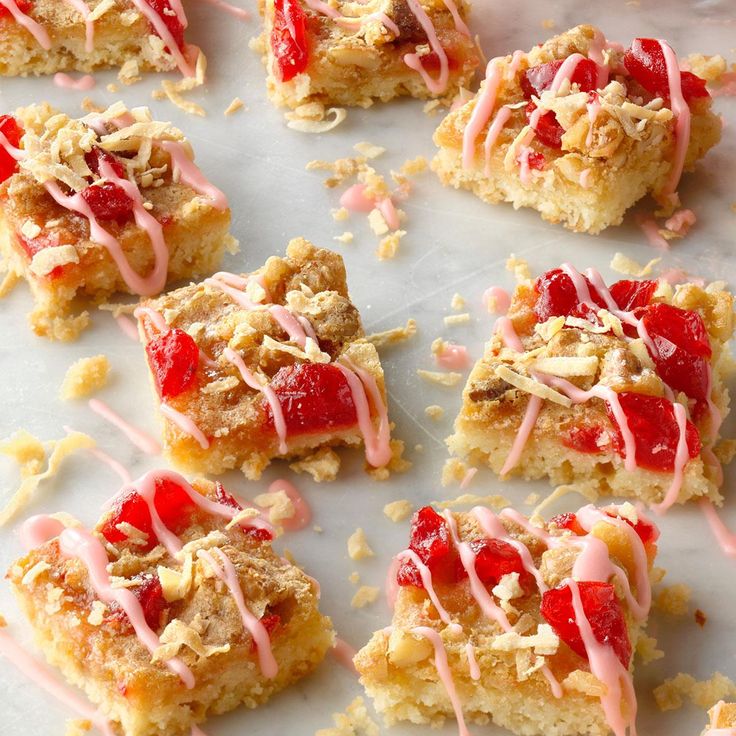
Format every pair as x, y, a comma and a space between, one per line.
548, 23
173, 90
88, 105
30, 453
313, 118
393, 336
340, 215
705, 693
471, 499
398, 510
700, 618
234, 106
442, 379
358, 547
453, 471
77, 727
629, 267
364, 595
389, 246
419, 448
430, 108
435, 412
369, 150
279, 505
354, 577
710, 68
397, 463
323, 465
674, 599
347, 237
519, 267
85, 376
531, 499
458, 302
646, 649
457, 319
355, 721
317, 529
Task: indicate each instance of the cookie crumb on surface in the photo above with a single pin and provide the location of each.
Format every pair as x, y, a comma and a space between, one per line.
358, 547
322, 465
646, 649
85, 376
389, 246
234, 106
394, 335
471, 499
77, 727
629, 267
674, 599
364, 595
355, 721
398, 510
435, 412
457, 319
443, 379
458, 302
671, 694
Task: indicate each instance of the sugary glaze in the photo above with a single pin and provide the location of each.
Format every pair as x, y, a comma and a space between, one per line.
112, 583
475, 584
581, 375
326, 52
166, 19
264, 365
569, 115
115, 181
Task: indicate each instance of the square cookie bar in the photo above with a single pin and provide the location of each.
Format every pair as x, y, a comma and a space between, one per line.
526, 623
348, 53
106, 203
620, 389
166, 613
270, 364
579, 129
46, 36
722, 719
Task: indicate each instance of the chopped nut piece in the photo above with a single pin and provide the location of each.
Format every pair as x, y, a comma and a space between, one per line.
398, 510
435, 412
443, 379
457, 319
364, 595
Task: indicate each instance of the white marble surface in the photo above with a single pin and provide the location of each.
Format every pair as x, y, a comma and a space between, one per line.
454, 244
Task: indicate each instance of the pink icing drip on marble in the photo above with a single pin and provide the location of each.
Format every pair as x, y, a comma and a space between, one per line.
445, 674
38, 674
453, 357
231, 9
650, 228
343, 654
724, 536
82, 84
79, 543
391, 586
355, 199
111, 463
35, 29
184, 169
302, 512
496, 299
127, 327
682, 120
250, 380
681, 222
185, 424
605, 665
228, 574
142, 440
156, 318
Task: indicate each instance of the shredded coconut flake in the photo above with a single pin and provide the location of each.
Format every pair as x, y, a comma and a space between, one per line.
442, 379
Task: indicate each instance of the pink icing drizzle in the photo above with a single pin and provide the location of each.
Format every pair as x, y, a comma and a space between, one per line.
187, 171
473, 667
35, 29
344, 654
228, 574
414, 61
522, 436
453, 357
724, 536
231, 9
185, 424
497, 298
650, 229
142, 440
682, 116
445, 675
484, 106
494, 130
355, 199
127, 327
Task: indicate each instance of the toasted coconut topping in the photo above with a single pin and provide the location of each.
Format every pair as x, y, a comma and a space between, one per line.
530, 386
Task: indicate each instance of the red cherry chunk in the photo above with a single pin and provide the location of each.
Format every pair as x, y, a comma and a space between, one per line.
314, 397
13, 132
97, 155
558, 296
601, 608
548, 130
173, 357
170, 19
568, 521
539, 78
108, 201
647, 532
289, 39
150, 595
645, 61
430, 540
584, 438
495, 558
682, 348
223, 497
651, 420
630, 295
